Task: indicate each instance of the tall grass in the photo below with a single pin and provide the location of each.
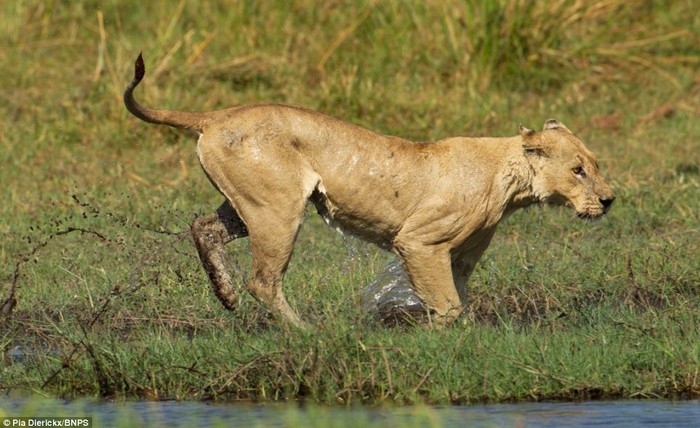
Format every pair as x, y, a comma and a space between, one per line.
95, 209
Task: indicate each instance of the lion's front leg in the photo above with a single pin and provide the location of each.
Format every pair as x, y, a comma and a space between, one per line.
464, 260
429, 268
461, 271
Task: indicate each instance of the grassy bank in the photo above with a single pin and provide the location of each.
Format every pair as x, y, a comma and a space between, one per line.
111, 300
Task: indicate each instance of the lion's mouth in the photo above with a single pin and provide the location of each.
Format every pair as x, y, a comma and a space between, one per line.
595, 211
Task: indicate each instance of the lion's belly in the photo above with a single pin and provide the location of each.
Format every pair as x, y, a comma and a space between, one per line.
366, 213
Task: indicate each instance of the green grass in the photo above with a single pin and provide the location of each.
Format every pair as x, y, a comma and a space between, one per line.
96, 205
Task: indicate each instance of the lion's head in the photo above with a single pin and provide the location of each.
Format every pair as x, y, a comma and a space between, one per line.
565, 171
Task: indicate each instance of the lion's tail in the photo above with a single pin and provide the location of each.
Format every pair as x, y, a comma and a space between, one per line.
178, 119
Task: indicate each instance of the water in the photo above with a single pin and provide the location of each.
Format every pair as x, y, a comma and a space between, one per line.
639, 413
391, 292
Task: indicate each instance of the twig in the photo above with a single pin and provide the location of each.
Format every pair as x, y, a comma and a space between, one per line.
10, 301
423, 379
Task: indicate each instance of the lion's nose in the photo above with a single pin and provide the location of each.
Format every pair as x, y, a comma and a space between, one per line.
606, 202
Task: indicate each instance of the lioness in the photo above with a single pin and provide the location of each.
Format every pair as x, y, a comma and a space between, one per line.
435, 205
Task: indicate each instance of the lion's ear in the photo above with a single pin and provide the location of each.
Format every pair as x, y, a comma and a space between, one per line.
525, 132
555, 124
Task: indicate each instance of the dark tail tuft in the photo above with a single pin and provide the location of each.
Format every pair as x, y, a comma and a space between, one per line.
139, 68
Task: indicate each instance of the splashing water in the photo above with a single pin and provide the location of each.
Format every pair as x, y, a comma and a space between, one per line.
390, 293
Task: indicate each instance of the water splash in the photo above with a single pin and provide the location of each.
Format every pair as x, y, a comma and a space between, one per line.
391, 292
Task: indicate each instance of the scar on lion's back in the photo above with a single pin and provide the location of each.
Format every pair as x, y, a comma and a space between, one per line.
233, 137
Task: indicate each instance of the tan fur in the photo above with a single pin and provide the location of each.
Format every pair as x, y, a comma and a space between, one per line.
434, 205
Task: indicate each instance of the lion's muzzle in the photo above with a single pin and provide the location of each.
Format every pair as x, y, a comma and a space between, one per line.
606, 203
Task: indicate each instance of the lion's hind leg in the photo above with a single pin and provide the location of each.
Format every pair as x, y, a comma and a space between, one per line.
272, 235
210, 234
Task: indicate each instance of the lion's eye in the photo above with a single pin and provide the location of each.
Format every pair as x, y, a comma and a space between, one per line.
579, 171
